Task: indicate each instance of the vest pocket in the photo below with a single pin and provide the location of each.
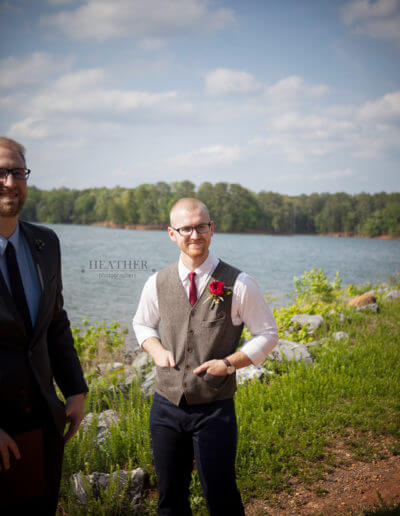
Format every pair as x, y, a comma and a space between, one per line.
215, 381
215, 322
165, 377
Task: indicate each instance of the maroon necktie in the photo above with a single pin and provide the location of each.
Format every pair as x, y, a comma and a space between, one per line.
192, 289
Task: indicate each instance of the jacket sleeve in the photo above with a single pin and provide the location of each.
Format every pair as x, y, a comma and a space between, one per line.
64, 360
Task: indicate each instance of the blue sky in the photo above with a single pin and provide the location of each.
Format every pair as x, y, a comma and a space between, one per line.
296, 97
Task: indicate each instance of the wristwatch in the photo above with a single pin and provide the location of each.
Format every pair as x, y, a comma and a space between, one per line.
230, 369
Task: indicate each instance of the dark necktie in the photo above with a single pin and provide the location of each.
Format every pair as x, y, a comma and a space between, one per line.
17, 287
192, 289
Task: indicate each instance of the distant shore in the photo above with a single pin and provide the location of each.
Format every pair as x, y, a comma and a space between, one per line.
149, 227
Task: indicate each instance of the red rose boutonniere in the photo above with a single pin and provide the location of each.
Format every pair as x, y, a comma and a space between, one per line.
217, 290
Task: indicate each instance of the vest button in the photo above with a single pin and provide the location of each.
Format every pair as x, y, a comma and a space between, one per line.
193, 312
190, 332
184, 384
187, 366
189, 350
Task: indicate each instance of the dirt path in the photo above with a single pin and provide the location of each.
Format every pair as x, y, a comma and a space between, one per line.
350, 487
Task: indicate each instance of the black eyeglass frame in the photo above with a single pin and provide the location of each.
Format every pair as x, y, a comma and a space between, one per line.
193, 228
13, 172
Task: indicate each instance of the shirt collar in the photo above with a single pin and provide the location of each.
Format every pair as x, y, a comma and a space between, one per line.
14, 239
206, 268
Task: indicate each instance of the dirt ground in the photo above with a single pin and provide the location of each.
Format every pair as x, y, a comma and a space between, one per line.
351, 487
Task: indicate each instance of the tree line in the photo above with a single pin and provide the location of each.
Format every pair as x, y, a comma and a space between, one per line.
232, 207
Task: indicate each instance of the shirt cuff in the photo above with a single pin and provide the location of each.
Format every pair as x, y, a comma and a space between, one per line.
144, 332
259, 346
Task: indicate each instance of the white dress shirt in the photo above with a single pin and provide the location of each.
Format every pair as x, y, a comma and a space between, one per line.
248, 307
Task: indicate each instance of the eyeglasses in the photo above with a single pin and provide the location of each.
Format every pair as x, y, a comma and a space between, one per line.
188, 230
19, 174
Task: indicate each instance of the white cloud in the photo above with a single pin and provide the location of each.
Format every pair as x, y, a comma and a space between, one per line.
378, 19
386, 109
295, 88
31, 69
314, 126
153, 19
222, 81
151, 44
83, 94
212, 156
333, 174
29, 128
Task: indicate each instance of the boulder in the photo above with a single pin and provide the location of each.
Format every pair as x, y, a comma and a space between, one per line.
141, 361
363, 300
372, 307
339, 335
132, 483
291, 351
251, 372
311, 322
105, 420
148, 383
392, 295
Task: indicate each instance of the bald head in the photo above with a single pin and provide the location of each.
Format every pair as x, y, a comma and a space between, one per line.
187, 205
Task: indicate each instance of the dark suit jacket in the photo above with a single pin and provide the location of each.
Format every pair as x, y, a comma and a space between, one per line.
49, 352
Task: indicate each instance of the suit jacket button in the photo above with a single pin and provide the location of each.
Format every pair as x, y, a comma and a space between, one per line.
29, 353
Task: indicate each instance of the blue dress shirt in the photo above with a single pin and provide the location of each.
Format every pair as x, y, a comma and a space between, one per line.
27, 268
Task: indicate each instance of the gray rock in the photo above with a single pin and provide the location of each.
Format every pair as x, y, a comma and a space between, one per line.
132, 483
246, 374
131, 376
291, 351
148, 383
129, 356
392, 295
312, 322
105, 421
312, 344
372, 307
342, 317
339, 335
141, 361
79, 488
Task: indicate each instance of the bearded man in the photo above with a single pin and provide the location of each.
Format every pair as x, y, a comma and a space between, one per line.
36, 345
202, 304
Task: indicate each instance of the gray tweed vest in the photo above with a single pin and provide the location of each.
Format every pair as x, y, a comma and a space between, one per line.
194, 335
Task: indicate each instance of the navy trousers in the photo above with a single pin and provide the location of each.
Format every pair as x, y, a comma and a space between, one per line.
206, 433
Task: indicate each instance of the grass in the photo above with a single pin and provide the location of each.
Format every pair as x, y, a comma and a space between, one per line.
286, 423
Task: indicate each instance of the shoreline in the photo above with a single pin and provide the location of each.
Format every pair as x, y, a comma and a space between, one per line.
162, 227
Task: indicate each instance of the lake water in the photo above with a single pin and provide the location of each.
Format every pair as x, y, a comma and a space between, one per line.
100, 294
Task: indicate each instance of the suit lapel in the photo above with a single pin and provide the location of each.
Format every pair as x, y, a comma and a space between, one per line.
39, 260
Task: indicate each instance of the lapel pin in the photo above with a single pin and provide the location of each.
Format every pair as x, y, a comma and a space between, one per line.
39, 244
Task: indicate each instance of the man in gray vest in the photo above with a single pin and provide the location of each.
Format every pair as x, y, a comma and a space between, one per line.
202, 304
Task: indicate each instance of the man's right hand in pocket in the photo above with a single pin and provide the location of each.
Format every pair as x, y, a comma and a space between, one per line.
7, 445
161, 356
